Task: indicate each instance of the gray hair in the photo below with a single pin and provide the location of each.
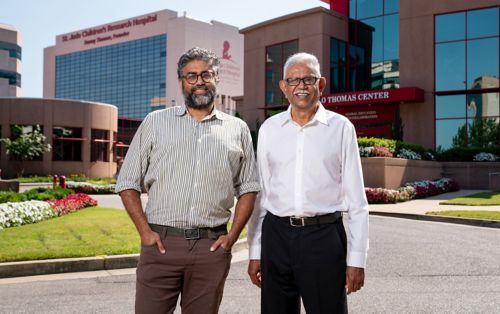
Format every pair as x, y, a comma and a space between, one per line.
197, 53
308, 59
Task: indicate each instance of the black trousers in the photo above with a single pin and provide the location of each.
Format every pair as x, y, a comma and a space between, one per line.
303, 262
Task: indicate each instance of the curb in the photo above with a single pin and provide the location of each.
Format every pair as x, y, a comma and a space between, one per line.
447, 219
80, 264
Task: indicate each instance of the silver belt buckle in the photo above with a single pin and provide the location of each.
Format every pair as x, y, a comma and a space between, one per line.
297, 221
192, 234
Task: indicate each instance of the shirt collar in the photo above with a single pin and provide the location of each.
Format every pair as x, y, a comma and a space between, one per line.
320, 115
181, 111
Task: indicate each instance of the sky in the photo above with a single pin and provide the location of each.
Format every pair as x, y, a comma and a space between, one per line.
39, 21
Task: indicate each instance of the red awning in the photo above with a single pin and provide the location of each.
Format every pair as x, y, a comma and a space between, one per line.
367, 97
374, 97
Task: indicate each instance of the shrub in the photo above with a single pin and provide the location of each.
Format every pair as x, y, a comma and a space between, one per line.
406, 193
404, 150
466, 153
408, 154
425, 153
365, 151
380, 142
428, 188
485, 157
380, 151
12, 197
381, 195
39, 194
412, 190
88, 188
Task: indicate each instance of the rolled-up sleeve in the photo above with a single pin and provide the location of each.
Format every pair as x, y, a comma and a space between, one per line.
246, 180
136, 161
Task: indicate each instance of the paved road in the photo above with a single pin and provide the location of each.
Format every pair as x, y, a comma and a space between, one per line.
414, 266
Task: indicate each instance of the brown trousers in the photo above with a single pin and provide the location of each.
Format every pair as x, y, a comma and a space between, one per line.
187, 268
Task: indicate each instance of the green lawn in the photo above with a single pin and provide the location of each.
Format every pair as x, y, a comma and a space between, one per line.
479, 214
34, 179
486, 198
93, 231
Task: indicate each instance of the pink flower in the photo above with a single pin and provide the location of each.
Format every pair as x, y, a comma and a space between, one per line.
72, 203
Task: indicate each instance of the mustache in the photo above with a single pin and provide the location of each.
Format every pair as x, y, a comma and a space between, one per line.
195, 88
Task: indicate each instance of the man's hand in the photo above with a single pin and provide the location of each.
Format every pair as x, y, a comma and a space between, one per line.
354, 278
226, 241
254, 272
152, 238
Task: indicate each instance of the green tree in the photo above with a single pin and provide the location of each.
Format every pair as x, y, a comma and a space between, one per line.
480, 133
25, 146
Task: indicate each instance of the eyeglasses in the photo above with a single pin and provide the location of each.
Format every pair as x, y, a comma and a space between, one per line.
295, 81
192, 78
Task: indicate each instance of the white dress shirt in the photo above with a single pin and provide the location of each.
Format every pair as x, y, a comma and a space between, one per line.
309, 171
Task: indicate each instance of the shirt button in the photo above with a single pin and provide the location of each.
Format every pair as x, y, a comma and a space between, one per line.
199, 140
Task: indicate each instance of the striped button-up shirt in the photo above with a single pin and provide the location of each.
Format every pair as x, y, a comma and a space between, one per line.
191, 170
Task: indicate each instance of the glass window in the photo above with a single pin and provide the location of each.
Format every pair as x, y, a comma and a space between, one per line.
127, 75
482, 132
482, 62
276, 56
99, 149
483, 105
352, 9
368, 8
377, 38
391, 37
338, 65
450, 27
451, 133
67, 144
450, 106
378, 35
391, 6
450, 66
482, 23
13, 77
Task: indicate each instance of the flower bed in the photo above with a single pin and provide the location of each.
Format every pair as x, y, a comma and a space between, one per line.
89, 188
428, 188
411, 190
72, 203
21, 213
387, 196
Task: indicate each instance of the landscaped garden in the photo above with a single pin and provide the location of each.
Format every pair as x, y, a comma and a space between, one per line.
91, 231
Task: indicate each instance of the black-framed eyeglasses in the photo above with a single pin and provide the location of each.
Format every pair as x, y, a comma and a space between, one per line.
295, 81
206, 76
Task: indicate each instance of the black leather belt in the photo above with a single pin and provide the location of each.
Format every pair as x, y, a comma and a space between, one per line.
310, 221
191, 233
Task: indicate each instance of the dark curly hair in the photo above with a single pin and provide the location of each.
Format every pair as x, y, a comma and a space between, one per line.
197, 53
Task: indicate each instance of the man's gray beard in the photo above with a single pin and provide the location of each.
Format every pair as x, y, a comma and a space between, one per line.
200, 101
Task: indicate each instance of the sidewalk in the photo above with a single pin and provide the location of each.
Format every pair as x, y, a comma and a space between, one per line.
415, 209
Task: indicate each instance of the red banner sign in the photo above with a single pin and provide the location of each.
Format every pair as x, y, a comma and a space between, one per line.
374, 97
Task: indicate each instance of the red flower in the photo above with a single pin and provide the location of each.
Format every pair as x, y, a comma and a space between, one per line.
72, 203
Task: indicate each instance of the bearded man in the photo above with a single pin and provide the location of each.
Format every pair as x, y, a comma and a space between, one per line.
192, 160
